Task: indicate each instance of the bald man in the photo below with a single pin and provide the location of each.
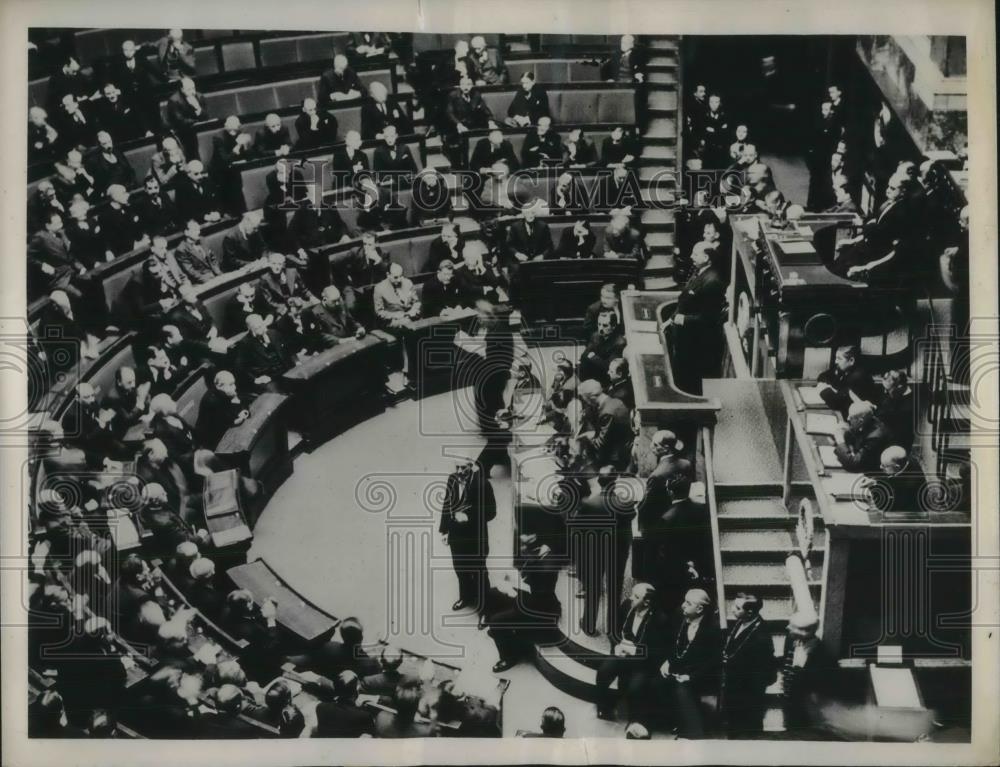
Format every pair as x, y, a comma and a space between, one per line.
693, 661
185, 109
338, 83
609, 436
859, 445
809, 677
328, 323
349, 160
378, 111
196, 196
314, 127
695, 328
261, 356
272, 140
638, 652
748, 668
900, 484
174, 55
626, 65
221, 408
230, 147
492, 149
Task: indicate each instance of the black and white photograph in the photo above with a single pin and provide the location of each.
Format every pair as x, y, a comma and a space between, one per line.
615, 372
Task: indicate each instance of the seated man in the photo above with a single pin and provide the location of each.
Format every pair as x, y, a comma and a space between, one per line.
195, 195
221, 408
579, 150
406, 699
577, 241
900, 484
273, 140
348, 160
606, 344
88, 427
389, 676
128, 400
553, 725
670, 465
314, 128
872, 255
360, 272
431, 198
157, 212
396, 300
846, 382
637, 654
248, 300
109, 165
243, 245
692, 663
339, 83
442, 295
328, 322
895, 407
378, 206
529, 239
168, 527
491, 150
343, 717
543, 146
393, 162
607, 303
620, 382
622, 240
261, 356
617, 149
378, 112
192, 318
197, 262
609, 438
280, 284
450, 244
476, 280
859, 445
530, 103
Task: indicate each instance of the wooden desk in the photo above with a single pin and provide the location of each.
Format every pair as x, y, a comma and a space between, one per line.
337, 388
431, 353
294, 611
258, 447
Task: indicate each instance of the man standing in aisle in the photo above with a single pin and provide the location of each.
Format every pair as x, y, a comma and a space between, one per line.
469, 504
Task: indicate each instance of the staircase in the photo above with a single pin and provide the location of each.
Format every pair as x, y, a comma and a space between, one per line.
657, 163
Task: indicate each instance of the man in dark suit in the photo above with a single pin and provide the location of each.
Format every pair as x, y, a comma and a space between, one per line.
377, 111
530, 103
137, 81
520, 616
900, 484
272, 140
338, 83
469, 504
847, 381
626, 65
195, 195
639, 650
281, 283
221, 409
328, 322
493, 149
157, 212
243, 245
261, 356
543, 146
696, 325
607, 303
620, 382
127, 399
115, 115
75, 125
229, 148
197, 262
389, 677
343, 717
859, 445
611, 441
89, 427
185, 109
872, 255
314, 128
120, 223
465, 110
175, 55
348, 160
394, 159
528, 239
691, 667
809, 678
622, 240
604, 345
670, 464
442, 292
748, 668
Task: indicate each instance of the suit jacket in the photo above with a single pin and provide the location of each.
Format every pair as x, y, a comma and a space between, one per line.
166, 169
438, 251
254, 359
156, 215
330, 82
374, 120
325, 328
119, 119
313, 227
862, 449
470, 111
613, 153
748, 663
907, 488
107, 171
436, 296
217, 413
701, 300
484, 155
120, 228
533, 103
571, 247
537, 244
277, 289
53, 248
613, 436
240, 249
651, 637
856, 379
700, 657
193, 320
324, 133
267, 142
403, 162
897, 412
473, 496
181, 114
343, 720
195, 201
197, 261
86, 241
595, 310
174, 64
344, 167
623, 66
627, 244
541, 150
582, 152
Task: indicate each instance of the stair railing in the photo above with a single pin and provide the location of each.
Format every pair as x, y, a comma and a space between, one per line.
713, 508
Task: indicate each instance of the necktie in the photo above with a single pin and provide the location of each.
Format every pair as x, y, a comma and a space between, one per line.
78, 116
130, 63
382, 108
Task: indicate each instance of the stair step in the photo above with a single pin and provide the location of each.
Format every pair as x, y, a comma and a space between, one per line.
657, 77
654, 239
663, 58
741, 576
659, 195
754, 513
437, 160
433, 142
657, 217
663, 176
661, 126
568, 674
662, 100
659, 283
662, 44
774, 720
659, 262
658, 152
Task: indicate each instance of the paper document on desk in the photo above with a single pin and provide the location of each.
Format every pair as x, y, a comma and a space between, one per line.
845, 486
822, 423
810, 396
829, 457
797, 247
